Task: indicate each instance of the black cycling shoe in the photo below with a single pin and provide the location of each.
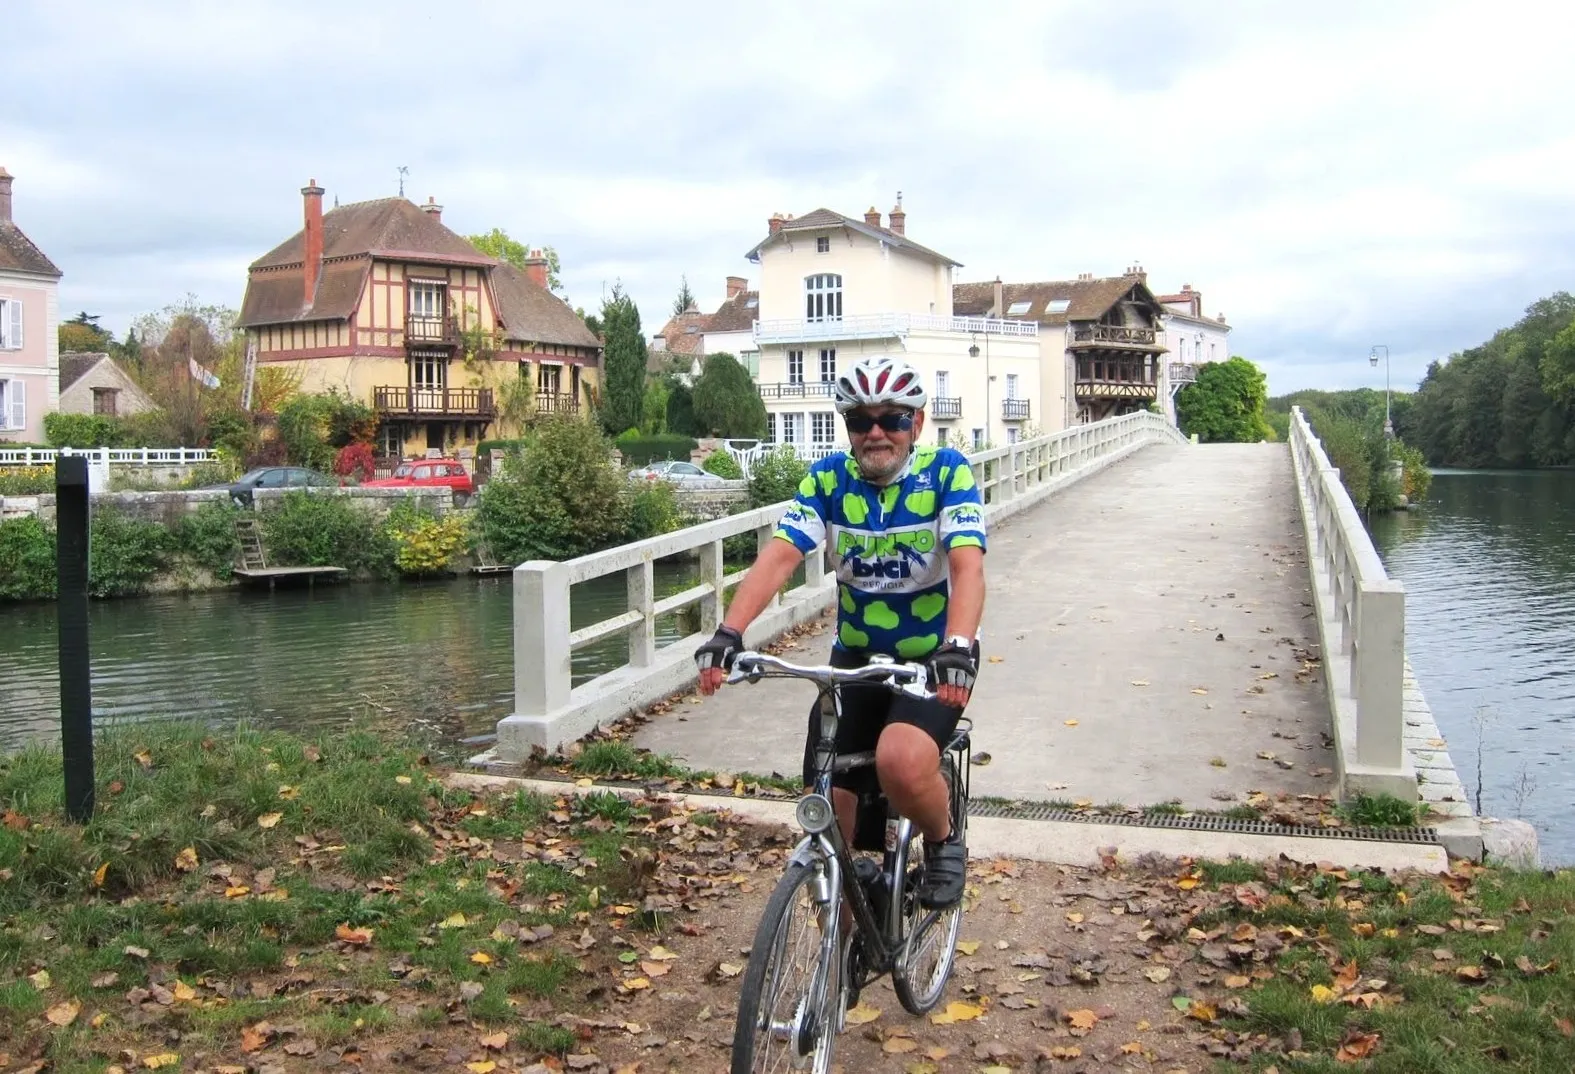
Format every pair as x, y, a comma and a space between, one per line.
945, 873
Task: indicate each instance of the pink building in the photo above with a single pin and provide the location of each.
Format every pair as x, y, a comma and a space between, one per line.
29, 316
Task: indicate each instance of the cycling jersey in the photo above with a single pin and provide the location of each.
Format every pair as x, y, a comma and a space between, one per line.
888, 545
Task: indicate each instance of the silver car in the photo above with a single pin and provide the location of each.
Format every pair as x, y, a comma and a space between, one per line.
674, 472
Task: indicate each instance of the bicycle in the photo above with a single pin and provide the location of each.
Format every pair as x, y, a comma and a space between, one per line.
782, 1025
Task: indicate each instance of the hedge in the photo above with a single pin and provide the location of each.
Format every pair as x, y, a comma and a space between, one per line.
639, 450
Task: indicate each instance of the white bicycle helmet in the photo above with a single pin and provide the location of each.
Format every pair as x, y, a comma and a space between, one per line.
877, 381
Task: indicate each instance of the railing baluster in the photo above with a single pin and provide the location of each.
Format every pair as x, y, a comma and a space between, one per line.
642, 597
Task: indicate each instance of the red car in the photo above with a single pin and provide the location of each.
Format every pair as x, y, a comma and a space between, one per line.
431, 473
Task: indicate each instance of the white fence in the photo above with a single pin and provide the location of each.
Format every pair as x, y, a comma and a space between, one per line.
747, 456
1361, 625
181, 456
549, 710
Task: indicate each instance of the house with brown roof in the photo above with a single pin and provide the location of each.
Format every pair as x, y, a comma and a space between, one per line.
688, 337
382, 301
94, 383
1192, 338
29, 319
1102, 338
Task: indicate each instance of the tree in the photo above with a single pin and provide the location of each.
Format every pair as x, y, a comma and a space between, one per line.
726, 401
624, 360
82, 334
497, 243
560, 498
685, 298
680, 408
653, 413
1225, 403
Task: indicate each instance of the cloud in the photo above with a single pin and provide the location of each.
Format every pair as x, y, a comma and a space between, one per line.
1331, 177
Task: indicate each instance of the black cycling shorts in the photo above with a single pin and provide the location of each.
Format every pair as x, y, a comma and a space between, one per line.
866, 710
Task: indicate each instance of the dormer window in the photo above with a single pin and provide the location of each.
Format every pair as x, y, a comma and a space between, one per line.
1057, 305
823, 297
1017, 309
823, 244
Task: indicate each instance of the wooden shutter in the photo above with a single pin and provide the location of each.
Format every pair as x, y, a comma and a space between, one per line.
18, 400
15, 340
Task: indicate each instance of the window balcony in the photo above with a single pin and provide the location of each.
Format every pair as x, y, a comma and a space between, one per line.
436, 330
1111, 335
946, 407
796, 389
470, 403
1014, 409
1183, 373
886, 326
557, 403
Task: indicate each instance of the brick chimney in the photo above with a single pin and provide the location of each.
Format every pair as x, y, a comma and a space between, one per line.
312, 198
736, 285
872, 216
5, 196
775, 223
434, 208
998, 301
536, 269
899, 220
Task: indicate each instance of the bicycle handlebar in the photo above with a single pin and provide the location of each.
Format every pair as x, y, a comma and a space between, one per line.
909, 678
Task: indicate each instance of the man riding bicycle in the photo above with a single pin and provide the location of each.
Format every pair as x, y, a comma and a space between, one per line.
905, 529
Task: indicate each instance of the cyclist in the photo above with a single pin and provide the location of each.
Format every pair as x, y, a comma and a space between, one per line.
905, 527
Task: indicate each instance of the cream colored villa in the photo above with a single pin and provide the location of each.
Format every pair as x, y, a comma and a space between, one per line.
375, 299
834, 289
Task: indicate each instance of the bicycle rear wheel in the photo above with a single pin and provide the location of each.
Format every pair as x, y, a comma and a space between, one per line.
787, 1004
929, 937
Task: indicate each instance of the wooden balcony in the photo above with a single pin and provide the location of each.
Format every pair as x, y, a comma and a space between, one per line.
557, 403
1014, 409
471, 403
796, 389
946, 407
437, 331
1111, 335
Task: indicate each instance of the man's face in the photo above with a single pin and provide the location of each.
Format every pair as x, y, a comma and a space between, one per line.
881, 452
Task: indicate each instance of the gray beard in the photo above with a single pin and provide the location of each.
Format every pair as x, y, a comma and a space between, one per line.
884, 474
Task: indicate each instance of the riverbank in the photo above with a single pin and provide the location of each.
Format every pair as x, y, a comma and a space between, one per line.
260, 901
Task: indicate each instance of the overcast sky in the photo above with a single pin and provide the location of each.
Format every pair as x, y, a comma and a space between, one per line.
1331, 176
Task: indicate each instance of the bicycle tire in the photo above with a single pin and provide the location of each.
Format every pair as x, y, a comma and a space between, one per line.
770, 938
918, 998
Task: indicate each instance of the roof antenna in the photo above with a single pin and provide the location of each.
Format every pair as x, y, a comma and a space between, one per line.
403, 171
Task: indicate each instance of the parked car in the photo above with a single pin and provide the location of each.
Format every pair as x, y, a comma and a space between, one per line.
427, 473
274, 477
679, 473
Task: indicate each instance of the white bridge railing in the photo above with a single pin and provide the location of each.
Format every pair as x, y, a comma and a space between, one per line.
1361, 626
549, 710
181, 456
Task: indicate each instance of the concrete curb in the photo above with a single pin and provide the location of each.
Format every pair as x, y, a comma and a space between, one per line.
1059, 841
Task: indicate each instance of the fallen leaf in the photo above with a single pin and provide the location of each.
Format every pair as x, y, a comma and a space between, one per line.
496, 1041
484, 1066
862, 1014
99, 874
1066, 1053
106, 980
1071, 723
357, 936
1323, 994
164, 1059
268, 820
1157, 974
1139, 682
956, 1012
134, 951
1132, 1048
41, 980
1217, 762
656, 969
1081, 1019
968, 947
455, 920
637, 984
1200, 691
403, 780
144, 758
237, 891
63, 1014
1237, 981
660, 954
1357, 1046
1187, 883
1471, 973
481, 958
899, 1045
255, 1038
921, 1067
186, 860
996, 659
183, 992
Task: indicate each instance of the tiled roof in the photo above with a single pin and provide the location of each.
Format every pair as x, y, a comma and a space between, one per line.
74, 365
685, 333
736, 314
1087, 300
18, 254
824, 218
274, 296
533, 314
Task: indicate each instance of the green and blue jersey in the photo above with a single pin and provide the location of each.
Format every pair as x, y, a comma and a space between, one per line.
888, 545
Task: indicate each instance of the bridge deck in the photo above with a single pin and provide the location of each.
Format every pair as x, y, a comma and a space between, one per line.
1163, 605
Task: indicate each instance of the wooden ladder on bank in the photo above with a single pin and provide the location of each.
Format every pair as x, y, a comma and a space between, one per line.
246, 531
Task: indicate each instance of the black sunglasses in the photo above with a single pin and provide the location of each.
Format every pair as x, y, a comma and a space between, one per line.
891, 422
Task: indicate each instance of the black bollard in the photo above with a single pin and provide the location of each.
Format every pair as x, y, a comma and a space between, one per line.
76, 685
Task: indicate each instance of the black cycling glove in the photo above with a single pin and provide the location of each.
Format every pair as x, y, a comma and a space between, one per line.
721, 650
952, 665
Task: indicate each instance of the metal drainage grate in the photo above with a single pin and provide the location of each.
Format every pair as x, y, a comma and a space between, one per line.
1037, 811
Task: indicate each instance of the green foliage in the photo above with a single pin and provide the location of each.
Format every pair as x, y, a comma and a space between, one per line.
206, 536
497, 243
726, 401
685, 298
83, 431
560, 498
314, 427
1225, 404
27, 480
1347, 447
1416, 478
680, 408
425, 544
309, 529
82, 334
637, 450
653, 409
486, 447
775, 477
653, 510
124, 553
27, 559
624, 358
722, 464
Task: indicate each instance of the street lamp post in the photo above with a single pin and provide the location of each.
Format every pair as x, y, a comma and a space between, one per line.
973, 352
1372, 359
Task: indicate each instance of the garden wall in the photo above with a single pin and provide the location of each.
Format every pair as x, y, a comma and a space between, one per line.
168, 508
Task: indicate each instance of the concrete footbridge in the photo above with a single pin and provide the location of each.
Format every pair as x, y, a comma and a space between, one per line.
1171, 627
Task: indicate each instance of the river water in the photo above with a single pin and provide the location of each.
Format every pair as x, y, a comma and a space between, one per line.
435, 658
1488, 564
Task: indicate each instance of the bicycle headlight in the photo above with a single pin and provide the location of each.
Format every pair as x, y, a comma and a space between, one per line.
814, 814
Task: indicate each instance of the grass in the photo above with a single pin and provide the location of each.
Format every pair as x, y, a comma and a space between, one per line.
245, 857
1380, 811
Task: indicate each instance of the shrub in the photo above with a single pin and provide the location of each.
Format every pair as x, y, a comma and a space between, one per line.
316, 530
124, 552
722, 464
221, 471
776, 476
27, 559
1346, 446
423, 543
82, 430
303, 429
485, 448
638, 450
356, 460
26, 480
206, 536
561, 498
1416, 478
653, 510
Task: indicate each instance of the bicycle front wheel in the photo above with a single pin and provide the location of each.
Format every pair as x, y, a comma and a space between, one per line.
787, 1015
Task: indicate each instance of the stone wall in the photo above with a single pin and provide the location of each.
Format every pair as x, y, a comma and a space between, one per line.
713, 501
168, 508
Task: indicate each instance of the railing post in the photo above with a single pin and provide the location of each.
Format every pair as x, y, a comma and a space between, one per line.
642, 599
542, 673
1006, 476
1379, 674
712, 570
